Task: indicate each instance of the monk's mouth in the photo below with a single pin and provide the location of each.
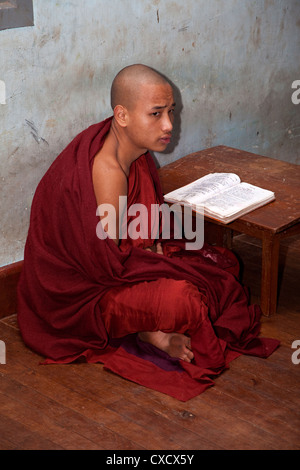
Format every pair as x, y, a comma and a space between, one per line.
165, 140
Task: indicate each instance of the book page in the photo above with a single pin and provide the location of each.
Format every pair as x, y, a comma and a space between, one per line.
235, 199
198, 191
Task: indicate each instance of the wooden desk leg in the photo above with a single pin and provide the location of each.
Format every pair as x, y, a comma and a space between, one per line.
269, 278
228, 238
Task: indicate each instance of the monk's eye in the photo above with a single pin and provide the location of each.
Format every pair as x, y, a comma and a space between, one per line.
156, 114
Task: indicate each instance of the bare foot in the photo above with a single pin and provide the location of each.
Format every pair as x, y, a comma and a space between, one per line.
174, 344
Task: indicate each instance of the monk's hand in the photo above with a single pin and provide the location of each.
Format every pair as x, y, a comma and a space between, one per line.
157, 248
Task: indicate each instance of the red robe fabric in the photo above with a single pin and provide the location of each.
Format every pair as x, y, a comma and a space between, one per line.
68, 272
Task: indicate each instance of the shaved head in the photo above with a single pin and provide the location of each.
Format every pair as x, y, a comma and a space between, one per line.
127, 83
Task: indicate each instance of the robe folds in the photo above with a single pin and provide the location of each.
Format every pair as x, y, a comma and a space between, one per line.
68, 307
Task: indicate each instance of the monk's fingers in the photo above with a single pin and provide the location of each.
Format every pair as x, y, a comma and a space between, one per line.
159, 249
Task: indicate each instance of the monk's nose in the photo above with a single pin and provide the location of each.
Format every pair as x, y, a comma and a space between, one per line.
167, 124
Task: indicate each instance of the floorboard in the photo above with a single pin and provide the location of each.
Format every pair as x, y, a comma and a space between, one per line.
255, 404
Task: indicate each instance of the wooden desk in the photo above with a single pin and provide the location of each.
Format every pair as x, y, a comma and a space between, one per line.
271, 223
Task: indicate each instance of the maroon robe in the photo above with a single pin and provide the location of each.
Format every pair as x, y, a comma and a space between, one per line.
69, 273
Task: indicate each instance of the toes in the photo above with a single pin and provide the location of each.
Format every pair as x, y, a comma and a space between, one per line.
187, 356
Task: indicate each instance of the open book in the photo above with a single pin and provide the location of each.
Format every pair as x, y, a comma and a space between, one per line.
221, 196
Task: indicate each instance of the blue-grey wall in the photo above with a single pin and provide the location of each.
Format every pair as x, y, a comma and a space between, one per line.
232, 62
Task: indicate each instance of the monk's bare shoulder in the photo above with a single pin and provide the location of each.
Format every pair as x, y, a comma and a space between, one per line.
110, 182
109, 179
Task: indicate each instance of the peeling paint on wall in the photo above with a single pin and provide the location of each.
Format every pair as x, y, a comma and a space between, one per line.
34, 132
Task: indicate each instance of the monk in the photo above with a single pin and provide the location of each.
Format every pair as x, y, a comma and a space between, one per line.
85, 285
143, 105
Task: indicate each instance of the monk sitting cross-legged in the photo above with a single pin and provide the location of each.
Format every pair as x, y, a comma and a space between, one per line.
92, 287
143, 106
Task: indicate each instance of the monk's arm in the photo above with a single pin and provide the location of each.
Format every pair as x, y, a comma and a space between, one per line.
110, 182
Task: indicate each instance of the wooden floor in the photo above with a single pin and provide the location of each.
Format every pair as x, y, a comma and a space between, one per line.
253, 405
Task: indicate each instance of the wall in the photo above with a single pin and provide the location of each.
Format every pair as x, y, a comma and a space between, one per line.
232, 63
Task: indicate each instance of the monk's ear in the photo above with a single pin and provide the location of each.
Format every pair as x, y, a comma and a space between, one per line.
120, 115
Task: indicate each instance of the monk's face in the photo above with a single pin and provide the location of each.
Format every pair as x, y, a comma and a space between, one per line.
150, 119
